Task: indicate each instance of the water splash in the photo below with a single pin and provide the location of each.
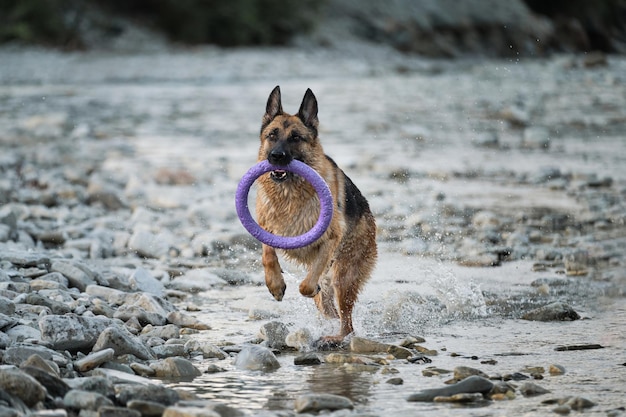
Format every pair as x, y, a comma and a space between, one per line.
461, 299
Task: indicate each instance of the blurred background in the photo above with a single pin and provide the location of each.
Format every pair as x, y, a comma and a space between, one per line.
444, 28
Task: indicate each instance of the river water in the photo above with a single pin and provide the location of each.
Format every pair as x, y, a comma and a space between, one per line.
417, 137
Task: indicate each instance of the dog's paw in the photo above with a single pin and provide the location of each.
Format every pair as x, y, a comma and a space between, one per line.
309, 291
331, 343
278, 291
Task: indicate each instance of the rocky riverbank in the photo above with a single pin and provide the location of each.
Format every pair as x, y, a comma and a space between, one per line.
120, 250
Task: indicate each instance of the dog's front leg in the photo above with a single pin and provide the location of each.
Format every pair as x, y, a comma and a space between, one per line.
273, 274
309, 287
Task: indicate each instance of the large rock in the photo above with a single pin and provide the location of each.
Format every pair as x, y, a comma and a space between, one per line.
72, 332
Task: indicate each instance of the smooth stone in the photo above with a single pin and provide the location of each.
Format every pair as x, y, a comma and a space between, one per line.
555, 311
395, 381
142, 280
36, 361
556, 370
256, 358
185, 320
22, 385
208, 350
93, 360
18, 354
310, 358
319, 402
169, 331
462, 372
362, 345
175, 368
54, 385
168, 351
300, 339
76, 276
471, 384
528, 389
80, 400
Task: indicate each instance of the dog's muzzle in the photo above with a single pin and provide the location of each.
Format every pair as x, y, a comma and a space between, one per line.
279, 175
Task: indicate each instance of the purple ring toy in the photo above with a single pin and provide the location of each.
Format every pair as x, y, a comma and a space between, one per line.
270, 239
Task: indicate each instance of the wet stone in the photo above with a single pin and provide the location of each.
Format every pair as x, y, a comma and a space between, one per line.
556, 370
460, 398
175, 368
310, 358
556, 311
207, 350
154, 393
274, 334
319, 402
528, 389
256, 358
462, 372
395, 381
472, 384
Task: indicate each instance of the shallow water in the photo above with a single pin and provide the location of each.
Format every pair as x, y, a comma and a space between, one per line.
444, 304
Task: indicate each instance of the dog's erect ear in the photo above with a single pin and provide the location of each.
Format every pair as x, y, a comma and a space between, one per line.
274, 106
308, 110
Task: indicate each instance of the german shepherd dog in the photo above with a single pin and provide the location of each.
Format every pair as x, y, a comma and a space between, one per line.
341, 261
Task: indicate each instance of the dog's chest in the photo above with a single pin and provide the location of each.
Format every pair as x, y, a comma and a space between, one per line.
288, 209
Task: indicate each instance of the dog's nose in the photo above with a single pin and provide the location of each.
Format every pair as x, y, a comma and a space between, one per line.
278, 157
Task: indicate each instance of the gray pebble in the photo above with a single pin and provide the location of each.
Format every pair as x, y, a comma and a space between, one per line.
319, 402
22, 386
472, 384
528, 389
122, 342
256, 358
80, 400
555, 311
94, 360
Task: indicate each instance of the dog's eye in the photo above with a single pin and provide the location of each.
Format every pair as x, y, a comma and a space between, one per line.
295, 138
272, 136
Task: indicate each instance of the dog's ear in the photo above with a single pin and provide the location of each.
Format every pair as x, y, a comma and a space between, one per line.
308, 110
274, 106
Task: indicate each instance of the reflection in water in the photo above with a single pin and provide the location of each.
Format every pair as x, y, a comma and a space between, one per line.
338, 380
277, 390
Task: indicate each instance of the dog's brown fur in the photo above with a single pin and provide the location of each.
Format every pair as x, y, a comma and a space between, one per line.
341, 261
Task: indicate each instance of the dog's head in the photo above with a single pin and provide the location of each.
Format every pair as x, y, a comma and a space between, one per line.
285, 137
